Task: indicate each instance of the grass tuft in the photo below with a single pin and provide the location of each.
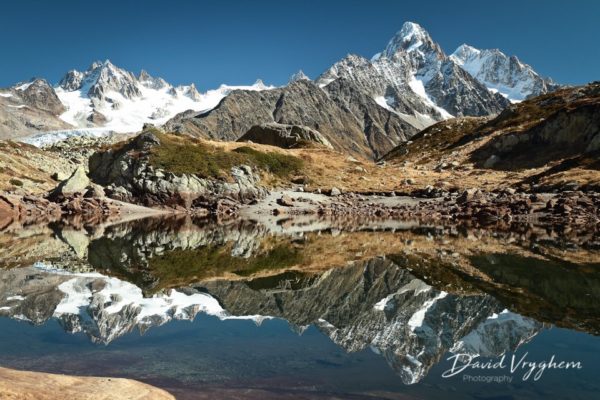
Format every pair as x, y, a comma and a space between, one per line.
180, 156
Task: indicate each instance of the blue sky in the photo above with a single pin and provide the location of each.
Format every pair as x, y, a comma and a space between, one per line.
211, 42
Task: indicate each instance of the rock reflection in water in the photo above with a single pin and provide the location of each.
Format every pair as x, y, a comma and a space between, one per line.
410, 296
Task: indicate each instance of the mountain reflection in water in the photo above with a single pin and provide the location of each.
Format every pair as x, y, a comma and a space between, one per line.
410, 295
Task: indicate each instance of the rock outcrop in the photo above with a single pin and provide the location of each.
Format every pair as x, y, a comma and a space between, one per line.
26, 210
128, 175
559, 125
285, 136
39, 94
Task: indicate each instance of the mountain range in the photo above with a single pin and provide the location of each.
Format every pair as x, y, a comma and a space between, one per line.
362, 106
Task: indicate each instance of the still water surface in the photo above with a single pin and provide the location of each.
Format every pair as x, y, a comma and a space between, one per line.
239, 311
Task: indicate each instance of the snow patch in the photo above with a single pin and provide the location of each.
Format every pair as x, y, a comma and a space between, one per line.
417, 84
417, 319
24, 86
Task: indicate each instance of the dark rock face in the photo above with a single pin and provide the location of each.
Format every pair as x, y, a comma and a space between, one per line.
301, 103
285, 136
97, 118
456, 91
39, 94
557, 126
30, 108
383, 129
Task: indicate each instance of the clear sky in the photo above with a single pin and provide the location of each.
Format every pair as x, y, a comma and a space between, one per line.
212, 42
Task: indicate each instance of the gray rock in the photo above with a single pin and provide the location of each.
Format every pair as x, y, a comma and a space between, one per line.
286, 201
346, 117
76, 183
283, 135
491, 161
128, 176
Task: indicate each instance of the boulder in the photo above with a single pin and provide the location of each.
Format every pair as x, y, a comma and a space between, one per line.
286, 201
283, 135
95, 191
76, 183
470, 195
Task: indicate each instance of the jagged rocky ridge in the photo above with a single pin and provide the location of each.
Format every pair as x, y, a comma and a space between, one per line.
364, 107
350, 120
414, 77
368, 105
501, 73
102, 99
361, 106
111, 97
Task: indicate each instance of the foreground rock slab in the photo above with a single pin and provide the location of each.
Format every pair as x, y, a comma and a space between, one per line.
25, 385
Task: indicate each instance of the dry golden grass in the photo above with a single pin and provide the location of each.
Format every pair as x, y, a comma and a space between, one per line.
25, 169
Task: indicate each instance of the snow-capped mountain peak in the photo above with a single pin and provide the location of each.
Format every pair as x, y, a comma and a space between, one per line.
500, 73
152, 82
298, 76
124, 102
421, 84
100, 79
412, 37
464, 52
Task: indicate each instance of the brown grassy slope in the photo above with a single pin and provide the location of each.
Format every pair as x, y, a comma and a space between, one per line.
317, 166
25, 169
549, 140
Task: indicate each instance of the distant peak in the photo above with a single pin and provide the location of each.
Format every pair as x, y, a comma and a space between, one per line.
298, 76
463, 53
410, 29
410, 38
144, 75
465, 48
259, 83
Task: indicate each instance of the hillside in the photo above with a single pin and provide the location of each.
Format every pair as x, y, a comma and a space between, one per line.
548, 141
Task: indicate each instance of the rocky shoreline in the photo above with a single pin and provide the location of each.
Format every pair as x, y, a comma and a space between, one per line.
503, 209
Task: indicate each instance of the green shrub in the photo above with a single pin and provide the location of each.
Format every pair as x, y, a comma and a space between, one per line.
16, 182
